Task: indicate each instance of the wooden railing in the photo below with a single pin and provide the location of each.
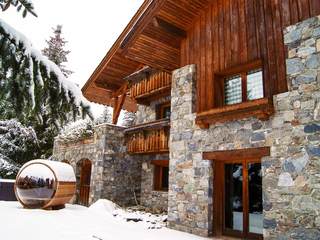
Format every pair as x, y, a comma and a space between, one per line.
148, 138
156, 84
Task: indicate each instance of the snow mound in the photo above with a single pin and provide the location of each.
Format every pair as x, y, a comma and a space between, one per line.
142, 219
76, 223
104, 205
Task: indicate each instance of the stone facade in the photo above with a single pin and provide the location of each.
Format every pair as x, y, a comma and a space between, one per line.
115, 175
291, 178
147, 114
291, 174
155, 200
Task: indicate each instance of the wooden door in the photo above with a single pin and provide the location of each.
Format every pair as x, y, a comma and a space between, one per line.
85, 178
238, 207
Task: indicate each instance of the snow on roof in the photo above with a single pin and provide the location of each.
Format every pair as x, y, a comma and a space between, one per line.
63, 171
50, 66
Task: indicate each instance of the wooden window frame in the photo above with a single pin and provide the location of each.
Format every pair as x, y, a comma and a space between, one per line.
241, 71
159, 165
260, 108
160, 110
219, 159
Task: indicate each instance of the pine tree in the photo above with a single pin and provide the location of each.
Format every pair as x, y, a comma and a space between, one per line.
106, 116
128, 119
34, 90
34, 85
55, 50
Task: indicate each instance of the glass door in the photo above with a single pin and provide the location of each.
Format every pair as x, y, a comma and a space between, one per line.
240, 200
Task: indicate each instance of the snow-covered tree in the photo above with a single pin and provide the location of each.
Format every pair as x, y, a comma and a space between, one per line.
128, 119
33, 89
34, 84
18, 144
76, 131
106, 116
55, 50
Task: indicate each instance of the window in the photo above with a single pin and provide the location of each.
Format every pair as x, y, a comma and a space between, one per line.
238, 93
164, 111
243, 87
161, 175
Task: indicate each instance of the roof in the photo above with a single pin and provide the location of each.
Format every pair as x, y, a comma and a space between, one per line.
152, 38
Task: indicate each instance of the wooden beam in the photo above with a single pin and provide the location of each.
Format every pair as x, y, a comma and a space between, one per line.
158, 124
138, 24
140, 75
107, 86
249, 153
169, 28
163, 163
118, 103
121, 90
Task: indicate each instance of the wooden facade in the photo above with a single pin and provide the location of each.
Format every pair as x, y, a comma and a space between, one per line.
215, 35
232, 33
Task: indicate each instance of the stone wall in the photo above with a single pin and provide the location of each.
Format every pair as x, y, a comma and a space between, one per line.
115, 175
291, 175
121, 172
76, 152
155, 200
190, 177
146, 113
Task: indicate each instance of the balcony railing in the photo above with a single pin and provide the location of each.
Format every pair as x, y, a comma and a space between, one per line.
148, 138
154, 86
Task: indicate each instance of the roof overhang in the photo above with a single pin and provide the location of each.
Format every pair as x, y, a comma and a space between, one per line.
152, 38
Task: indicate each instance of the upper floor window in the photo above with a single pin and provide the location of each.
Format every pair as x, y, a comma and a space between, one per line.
164, 111
238, 93
243, 87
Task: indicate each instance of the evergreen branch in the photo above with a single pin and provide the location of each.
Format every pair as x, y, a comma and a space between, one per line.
19, 4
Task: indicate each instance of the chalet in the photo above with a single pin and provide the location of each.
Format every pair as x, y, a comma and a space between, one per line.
227, 99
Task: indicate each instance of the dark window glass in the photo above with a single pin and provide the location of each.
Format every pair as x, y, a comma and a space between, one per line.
233, 197
165, 178
166, 112
255, 198
233, 90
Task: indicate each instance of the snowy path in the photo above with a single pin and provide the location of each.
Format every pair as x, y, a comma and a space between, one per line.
75, 223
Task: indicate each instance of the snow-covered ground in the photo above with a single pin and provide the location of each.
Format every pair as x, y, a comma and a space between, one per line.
102, 221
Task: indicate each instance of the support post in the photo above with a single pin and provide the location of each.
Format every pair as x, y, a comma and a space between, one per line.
118, 104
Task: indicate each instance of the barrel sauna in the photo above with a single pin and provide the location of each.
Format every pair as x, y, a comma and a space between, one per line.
45, 184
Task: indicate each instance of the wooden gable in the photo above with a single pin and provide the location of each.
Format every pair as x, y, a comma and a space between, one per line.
213, 34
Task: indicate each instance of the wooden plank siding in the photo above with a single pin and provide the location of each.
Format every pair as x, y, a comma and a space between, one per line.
233, 32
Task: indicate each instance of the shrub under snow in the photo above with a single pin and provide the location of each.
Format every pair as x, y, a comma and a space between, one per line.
76, 131
17, 146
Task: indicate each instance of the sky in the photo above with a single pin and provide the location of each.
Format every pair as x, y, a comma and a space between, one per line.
90, 27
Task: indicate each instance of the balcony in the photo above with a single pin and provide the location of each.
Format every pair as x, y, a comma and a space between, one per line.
149, 85
149, 138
